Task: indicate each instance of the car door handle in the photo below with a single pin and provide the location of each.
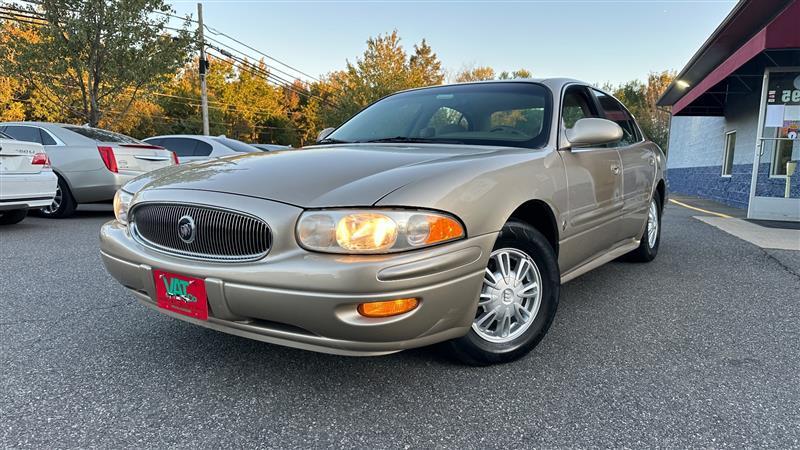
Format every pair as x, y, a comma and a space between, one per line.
651, 161
615, 169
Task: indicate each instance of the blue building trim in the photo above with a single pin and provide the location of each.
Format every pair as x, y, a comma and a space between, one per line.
706, 182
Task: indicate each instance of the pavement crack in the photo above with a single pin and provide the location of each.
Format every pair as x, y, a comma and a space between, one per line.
788, 269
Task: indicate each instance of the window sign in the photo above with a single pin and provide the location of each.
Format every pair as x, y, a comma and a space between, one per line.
783, 104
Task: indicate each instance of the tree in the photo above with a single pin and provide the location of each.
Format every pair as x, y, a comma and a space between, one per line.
95, 53
482, 73
384, 68
425, 66
521, 73
475, 74
640, 99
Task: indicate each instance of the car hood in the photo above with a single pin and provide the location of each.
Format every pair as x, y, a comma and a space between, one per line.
323, 176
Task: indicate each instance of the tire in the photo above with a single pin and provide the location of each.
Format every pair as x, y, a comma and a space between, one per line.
648, 249
63, 204
485, 343
13, 216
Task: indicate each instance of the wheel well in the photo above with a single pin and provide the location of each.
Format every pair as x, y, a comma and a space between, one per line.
660, 190
538, 214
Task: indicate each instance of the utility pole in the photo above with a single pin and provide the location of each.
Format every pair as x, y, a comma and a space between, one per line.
203, 70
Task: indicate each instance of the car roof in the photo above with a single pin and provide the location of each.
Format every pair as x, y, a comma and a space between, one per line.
554, 84
192, 136
46, 124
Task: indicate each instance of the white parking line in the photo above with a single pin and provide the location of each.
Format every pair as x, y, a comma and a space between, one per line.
764, 237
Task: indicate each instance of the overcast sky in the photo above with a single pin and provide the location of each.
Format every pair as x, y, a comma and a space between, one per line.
595, 41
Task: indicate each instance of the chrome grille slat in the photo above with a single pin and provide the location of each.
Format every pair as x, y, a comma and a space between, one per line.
220, 234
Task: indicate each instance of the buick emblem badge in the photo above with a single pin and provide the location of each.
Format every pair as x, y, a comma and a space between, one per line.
186, 229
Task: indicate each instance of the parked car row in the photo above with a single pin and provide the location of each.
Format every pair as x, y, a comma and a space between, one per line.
88, 165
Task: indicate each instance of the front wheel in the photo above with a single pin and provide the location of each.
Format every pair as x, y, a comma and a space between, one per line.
518, 298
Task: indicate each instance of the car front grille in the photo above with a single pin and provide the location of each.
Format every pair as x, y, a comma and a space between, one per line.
219, 234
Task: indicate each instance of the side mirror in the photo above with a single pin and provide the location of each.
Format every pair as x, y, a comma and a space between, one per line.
593, 131
324, 133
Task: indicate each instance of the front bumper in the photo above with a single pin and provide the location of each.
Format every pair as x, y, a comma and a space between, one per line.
308, 300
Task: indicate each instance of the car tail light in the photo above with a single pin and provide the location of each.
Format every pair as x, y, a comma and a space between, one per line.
175, 158
40, 159
107, 153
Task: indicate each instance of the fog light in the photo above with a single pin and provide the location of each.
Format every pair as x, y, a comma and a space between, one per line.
387, 308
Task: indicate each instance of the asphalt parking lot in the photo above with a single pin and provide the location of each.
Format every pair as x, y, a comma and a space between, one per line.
700, 348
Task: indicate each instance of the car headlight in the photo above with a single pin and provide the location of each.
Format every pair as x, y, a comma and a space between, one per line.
375, 231
122, 201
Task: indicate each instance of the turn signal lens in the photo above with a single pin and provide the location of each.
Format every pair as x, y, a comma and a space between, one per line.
375, 231
387, 308
433, 229
372, 232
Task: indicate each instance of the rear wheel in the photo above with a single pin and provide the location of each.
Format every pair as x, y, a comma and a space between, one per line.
651, 238
518, 299
13, 216
63, 203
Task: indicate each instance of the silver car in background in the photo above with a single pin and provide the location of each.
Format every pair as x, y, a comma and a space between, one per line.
91, 164
192, 147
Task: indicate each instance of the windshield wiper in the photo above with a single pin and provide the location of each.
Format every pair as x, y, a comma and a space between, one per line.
413, 140
332, 141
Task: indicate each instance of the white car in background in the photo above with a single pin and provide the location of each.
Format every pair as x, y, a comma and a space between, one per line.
272, 147
26, 179
190, 147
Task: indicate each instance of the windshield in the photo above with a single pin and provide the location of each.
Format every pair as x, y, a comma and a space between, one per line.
237, 146
103, 135
504, 114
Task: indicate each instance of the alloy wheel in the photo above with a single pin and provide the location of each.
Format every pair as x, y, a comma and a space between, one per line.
510, 296
652, 224
59, 197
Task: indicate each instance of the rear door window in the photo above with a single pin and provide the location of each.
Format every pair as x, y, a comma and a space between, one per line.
237, 146
202, 149
46, 138
181, 146
614, 111
24, 133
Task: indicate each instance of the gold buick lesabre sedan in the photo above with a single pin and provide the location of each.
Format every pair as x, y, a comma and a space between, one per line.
449, 213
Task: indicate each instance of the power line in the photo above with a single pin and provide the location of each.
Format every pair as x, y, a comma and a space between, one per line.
243, 54
184, 18
282, 80
271, 78
252, 69
219, 33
